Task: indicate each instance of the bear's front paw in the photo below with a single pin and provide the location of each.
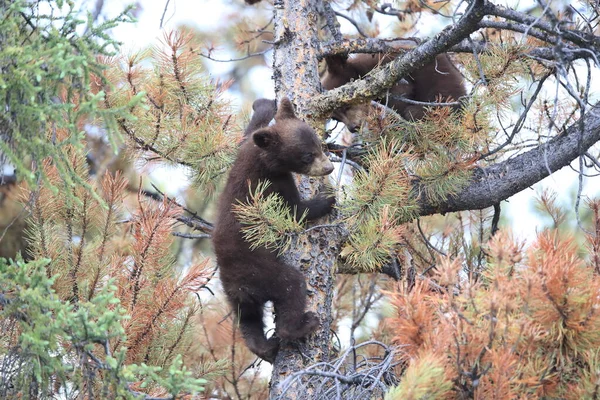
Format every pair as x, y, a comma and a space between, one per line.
330, 201
327, 200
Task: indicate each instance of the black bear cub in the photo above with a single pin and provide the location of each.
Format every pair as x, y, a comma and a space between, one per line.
436, 81
253, 277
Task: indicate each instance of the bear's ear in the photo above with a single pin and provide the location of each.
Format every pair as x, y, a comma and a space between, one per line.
286, 110
265, 138
336, 64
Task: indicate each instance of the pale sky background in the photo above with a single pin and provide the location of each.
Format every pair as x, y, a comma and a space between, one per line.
206, 15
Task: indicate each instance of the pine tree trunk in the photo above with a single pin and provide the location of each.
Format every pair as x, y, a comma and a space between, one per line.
296, 76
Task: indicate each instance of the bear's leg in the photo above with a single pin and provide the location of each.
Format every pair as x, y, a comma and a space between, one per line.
251, 323
289, 299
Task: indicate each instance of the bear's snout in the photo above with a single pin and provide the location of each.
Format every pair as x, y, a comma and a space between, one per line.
321, 166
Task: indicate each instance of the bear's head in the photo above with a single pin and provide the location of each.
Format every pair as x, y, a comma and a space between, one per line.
290, 145
341, 70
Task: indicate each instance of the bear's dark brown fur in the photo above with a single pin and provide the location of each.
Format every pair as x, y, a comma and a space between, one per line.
253, 277
435, 82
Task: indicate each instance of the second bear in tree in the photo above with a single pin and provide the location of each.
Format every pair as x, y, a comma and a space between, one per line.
435, 82
253, 277
264, 112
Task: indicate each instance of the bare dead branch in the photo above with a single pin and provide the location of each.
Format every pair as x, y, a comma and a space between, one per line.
577, 37
398, 45
191, 235
247, 56
194, 221
351, 375
353, 22
521, 120
162, 18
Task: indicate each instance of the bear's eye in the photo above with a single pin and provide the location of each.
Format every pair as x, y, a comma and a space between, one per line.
307, 158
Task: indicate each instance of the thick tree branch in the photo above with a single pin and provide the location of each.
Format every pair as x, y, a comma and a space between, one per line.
492, 184
372, 45
375, 84
366, 45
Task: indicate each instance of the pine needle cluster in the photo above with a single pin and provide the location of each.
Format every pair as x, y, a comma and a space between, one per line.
378, 203
500, 75
424, 378
446, 150
182, 119
89, 250
45, 68
527, 327
502, 66
267, 220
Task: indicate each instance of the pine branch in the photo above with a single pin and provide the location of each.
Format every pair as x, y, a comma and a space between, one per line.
85, 221
268, 221
152, 233
194, 221
366, 45
490, 185
578, 37
364, 89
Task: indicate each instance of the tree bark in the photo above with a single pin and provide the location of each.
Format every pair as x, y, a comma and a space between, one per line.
295, 70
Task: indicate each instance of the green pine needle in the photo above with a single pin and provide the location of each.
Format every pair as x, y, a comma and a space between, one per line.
268, 221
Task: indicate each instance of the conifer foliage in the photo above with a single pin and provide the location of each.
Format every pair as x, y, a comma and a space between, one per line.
46, 80
528, 328
101, 310
114, 281
105, 303
182, 119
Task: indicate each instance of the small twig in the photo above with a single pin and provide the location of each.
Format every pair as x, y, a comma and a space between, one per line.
260, 53
578, 198
592, 159
322, 226
353, 22
191, 235
425, 103
343, 160
162, 18
343, 164
388, 9
427, 242
194, 221
478, 61
521, 120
